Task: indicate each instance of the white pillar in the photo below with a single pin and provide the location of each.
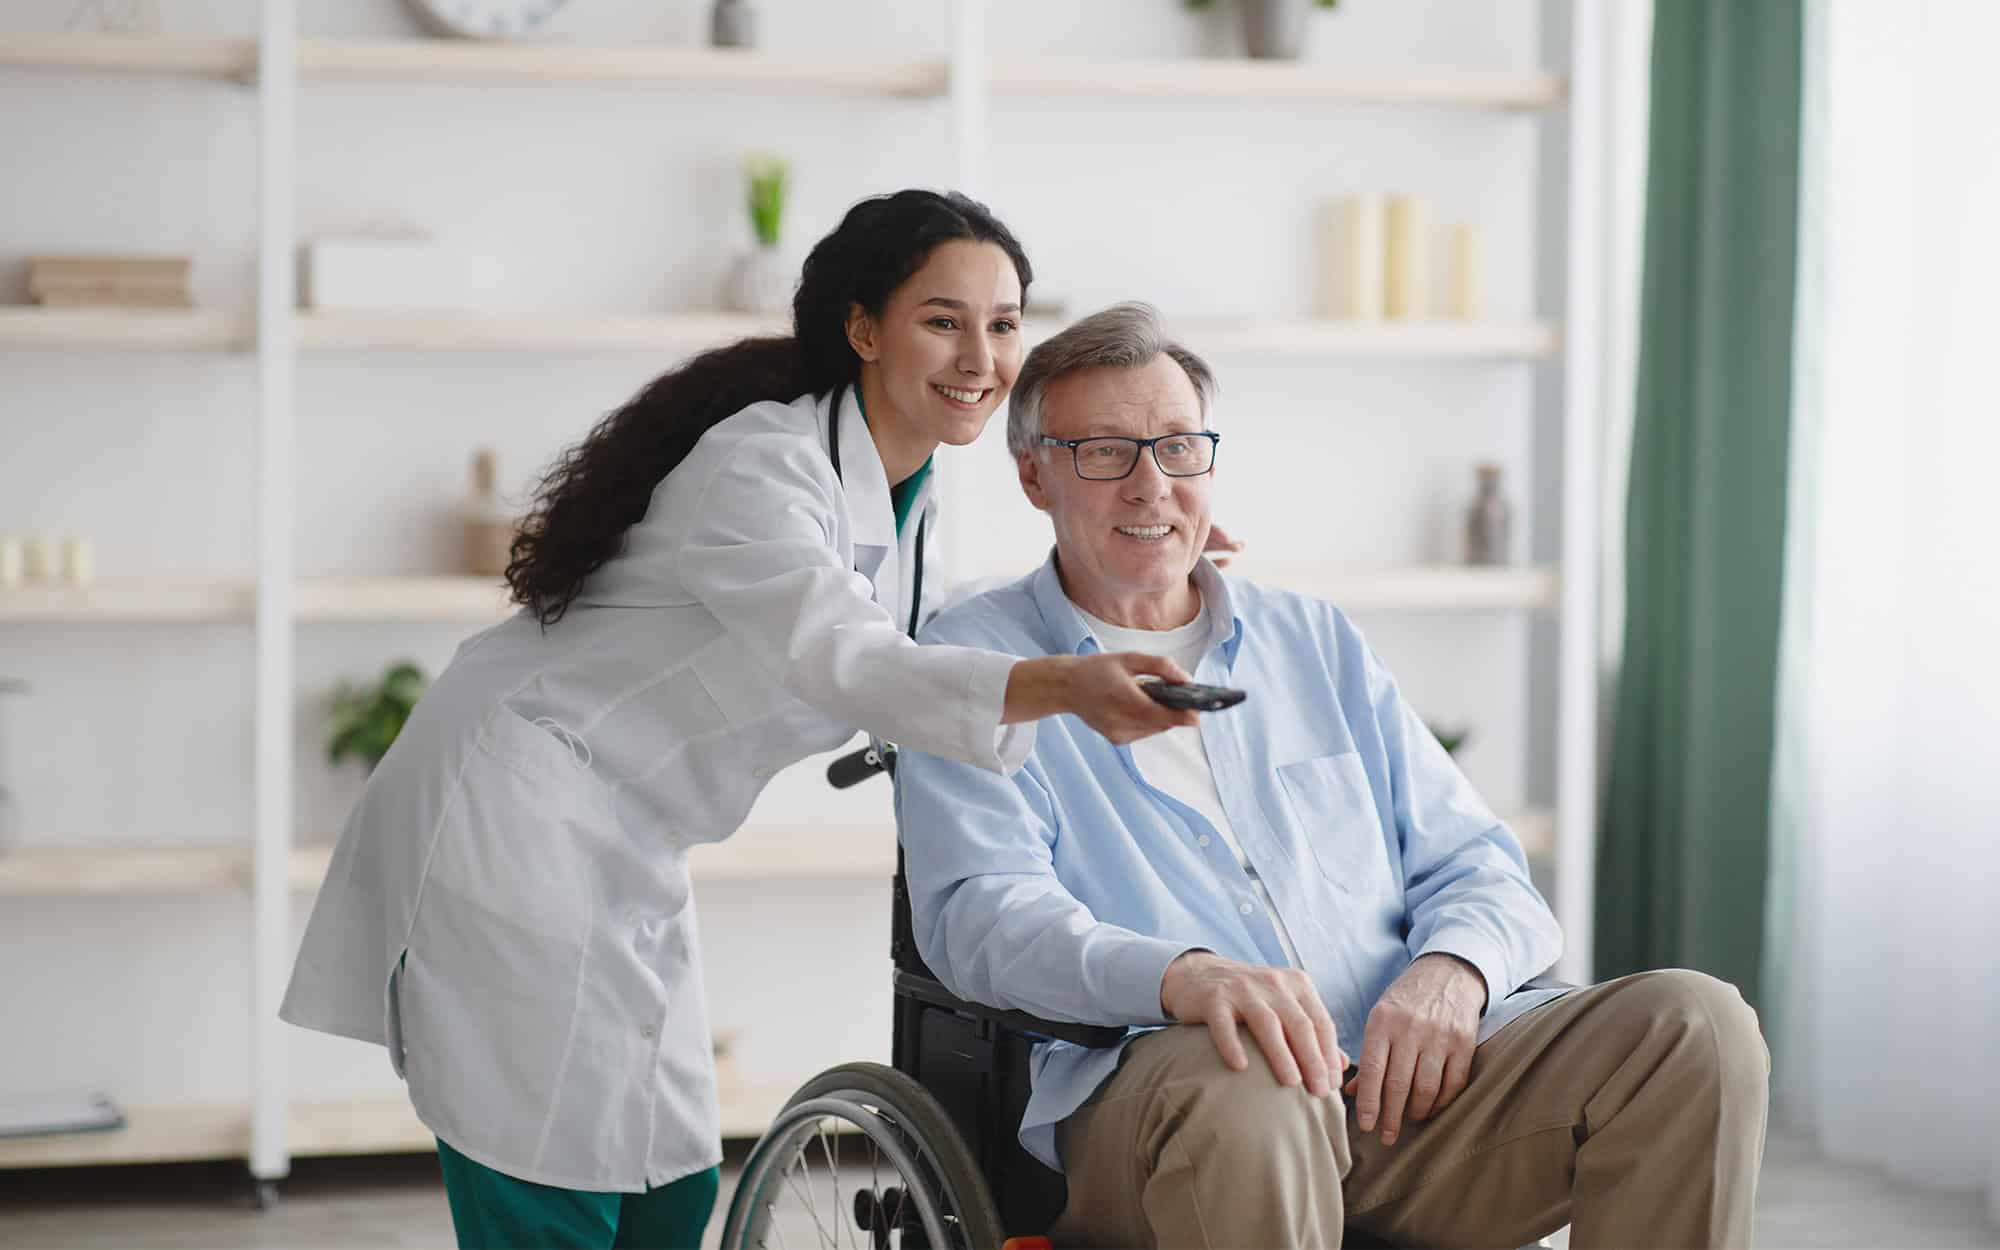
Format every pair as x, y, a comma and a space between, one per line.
1583, 396
271, 923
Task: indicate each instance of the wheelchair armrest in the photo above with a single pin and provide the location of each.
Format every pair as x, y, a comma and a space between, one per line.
923, 989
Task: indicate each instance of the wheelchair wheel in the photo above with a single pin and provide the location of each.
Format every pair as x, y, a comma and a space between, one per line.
862, 1155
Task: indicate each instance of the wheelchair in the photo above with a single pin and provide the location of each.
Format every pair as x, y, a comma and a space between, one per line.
922, 1154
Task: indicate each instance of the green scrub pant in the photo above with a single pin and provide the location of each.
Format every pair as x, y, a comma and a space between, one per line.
493, 1211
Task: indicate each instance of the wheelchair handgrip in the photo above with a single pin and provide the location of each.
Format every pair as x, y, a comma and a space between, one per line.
854, 768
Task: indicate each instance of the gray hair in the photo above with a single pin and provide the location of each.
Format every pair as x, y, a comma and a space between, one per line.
1122, 336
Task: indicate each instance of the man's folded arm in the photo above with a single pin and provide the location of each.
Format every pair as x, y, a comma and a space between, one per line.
991, 918
1466, 879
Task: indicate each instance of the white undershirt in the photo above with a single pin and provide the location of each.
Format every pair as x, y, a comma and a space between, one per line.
1176, 761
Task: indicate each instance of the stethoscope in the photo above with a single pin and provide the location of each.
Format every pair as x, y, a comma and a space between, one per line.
877, 756
833, 454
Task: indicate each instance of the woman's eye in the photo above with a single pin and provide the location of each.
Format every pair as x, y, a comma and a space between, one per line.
945, 323
1005, 327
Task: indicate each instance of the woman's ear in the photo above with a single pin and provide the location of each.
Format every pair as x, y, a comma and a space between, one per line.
861, 334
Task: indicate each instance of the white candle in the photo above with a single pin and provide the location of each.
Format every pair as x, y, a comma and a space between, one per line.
1406, 284
1360, 228
1468, 276
79, 564
39, 561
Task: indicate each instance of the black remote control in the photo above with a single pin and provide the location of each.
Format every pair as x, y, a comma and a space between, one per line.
1194, 696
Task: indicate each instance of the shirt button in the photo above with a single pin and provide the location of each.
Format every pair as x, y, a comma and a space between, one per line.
647, 1032
1203, 840
1245, 908
761, 774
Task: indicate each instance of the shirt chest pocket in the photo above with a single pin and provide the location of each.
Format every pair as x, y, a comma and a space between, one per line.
1332, 807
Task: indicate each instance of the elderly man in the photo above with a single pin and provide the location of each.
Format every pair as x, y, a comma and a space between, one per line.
1302, 877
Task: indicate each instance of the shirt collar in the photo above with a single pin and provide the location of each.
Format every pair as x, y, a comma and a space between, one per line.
1071, 635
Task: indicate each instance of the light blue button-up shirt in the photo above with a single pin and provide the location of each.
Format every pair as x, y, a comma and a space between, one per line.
1067, 888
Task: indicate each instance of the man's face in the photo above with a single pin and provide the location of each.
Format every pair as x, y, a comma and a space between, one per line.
1121, 543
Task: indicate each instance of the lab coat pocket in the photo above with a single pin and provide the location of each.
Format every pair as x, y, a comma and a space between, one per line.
1333, 810
527, 823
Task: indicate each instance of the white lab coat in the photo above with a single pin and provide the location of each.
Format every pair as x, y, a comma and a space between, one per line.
523, 848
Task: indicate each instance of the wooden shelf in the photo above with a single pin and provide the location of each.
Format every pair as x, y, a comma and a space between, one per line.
482, 601
466, 600
1279, 80
1442, 587
195, 868
129, 602
443, 62
381, 1125
130, 329
526, 331
1426, 339
459, 600
433, 61
104, 871
169, 55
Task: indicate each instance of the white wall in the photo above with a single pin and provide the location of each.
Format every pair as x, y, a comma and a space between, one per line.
626, 200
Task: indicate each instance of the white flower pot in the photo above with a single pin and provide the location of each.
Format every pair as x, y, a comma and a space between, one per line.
761, 281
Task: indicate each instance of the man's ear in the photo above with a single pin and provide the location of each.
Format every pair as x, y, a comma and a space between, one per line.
861, 334
1030, 468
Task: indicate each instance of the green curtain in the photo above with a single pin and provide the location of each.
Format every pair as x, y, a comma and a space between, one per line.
1684, 847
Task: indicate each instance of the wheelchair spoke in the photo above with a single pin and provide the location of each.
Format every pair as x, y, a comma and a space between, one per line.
804, 1191
833, 1180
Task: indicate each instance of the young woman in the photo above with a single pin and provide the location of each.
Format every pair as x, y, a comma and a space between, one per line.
721, 579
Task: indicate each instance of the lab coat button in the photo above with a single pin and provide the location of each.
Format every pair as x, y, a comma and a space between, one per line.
646, 1032
1245, 908
761, 774
1203, 840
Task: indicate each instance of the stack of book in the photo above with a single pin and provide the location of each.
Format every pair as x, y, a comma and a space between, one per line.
109, 281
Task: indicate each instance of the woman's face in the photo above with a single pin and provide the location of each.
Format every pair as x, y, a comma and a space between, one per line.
946, 349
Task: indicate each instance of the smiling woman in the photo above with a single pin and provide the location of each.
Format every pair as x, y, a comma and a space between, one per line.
722, 578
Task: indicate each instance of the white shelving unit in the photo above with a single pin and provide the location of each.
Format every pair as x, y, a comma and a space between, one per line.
272, 867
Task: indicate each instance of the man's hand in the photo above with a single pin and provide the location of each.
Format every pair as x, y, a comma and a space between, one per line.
1279, 1005
1416, 1049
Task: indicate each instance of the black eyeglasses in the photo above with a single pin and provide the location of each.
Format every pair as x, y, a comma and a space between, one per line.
1110, 458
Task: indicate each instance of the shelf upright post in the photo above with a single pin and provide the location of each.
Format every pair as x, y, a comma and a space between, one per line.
969, 90
1582, 474
277, 89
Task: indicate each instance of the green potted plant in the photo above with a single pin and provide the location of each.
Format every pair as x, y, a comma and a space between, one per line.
761, 281
367, 720
1274, 30
1450, 737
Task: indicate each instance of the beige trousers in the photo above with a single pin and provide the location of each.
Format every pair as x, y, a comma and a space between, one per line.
1633, 1111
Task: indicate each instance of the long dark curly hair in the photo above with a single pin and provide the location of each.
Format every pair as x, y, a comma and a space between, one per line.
601, 487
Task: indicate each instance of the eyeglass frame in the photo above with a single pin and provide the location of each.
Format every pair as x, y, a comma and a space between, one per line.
1143, 445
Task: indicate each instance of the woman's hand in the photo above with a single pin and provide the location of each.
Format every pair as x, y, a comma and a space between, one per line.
1221, 546
1101, 690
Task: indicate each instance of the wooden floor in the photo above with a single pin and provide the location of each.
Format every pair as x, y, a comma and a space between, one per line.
391, 1202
